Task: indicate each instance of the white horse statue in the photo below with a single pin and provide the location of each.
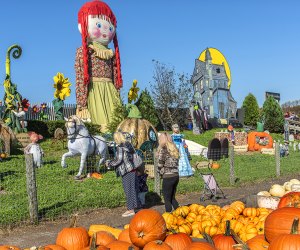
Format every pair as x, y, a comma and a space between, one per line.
81, 142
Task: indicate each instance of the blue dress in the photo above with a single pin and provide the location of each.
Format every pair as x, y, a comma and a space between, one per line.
185, 168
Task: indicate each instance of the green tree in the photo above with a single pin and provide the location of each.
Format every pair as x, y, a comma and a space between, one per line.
272, 115
146, 106
251, 108
118, 115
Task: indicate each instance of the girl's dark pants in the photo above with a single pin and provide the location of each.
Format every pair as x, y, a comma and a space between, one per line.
169, 186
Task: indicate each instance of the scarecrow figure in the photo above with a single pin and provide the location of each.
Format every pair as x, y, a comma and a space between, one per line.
35, 149
98, 68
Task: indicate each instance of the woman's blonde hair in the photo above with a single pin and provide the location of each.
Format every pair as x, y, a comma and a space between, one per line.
166, 140
119, 138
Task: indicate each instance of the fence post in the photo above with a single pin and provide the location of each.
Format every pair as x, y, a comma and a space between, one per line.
156, 175
277, 159
31, 188
231, 164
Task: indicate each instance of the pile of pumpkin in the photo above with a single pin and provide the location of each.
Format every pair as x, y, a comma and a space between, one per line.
194, 220
278, 190
236, 229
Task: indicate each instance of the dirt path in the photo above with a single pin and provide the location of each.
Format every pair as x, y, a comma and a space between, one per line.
46, 232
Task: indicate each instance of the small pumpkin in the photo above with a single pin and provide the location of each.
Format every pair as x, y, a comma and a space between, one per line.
200, 245
279, 222
215, 165
103, 238
55, 247
292, 199
146, 226
157, 245
287, 241
178, 241
277, 190
119, 245
3, 155
250, 212
248, 232
124, 236
239, 206
258, 243
73, 237
224, 241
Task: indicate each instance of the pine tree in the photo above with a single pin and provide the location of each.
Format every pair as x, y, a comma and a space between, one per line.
272, 115
146, 106
251, 110
118, 115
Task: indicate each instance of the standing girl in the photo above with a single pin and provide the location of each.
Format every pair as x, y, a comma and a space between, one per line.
123, 164
185, 168
98, 68
168, 156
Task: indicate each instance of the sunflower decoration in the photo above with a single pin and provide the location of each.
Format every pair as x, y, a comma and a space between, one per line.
62, 90
62, 86
133, 92
25, 104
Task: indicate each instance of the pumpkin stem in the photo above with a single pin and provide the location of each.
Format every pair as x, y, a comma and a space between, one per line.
295, 224
208, 238
227, 230
173, 231
241, 244
141, 234
74, 219
158, 242
93, 243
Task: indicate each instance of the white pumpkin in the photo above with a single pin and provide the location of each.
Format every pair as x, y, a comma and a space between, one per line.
288, 186
295, 181
264, 193
277, 190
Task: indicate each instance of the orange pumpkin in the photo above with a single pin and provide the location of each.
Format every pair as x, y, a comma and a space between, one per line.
182, 211
200, 246
194, 208
73, 238
291, 199
248, 232
7, 247
258, 243
287, 241
224, 241
124, 236
55, 247
120, 245
157, 245
215, 165
280, 222
178, 241
103, 238
212, 215
239, 206
146, 226
102, 248
250, 212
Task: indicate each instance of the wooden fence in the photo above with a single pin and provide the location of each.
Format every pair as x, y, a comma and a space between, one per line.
68, 110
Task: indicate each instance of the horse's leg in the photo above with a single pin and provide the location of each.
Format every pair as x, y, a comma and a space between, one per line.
63, 163
82, 162
103, 153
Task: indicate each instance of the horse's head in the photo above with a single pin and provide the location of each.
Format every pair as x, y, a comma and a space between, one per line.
73, 125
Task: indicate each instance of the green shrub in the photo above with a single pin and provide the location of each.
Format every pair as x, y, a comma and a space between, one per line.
251, 110
273, 115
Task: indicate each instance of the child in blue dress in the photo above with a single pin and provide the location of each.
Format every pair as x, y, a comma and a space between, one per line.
185, 168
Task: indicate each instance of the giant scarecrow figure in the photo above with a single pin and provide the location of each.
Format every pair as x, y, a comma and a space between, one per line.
98, 69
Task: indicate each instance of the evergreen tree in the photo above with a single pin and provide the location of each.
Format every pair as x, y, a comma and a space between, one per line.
118, 115
273, 115
251, 108
146, 106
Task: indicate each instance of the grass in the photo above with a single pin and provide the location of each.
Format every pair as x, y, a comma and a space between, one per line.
59, 195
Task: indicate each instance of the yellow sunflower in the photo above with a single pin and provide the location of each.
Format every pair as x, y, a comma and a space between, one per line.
133, 92
62, 86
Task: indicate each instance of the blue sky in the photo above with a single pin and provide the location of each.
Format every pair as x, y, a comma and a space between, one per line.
260, 40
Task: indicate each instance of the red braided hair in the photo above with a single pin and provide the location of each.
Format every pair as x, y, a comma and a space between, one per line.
97, 8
